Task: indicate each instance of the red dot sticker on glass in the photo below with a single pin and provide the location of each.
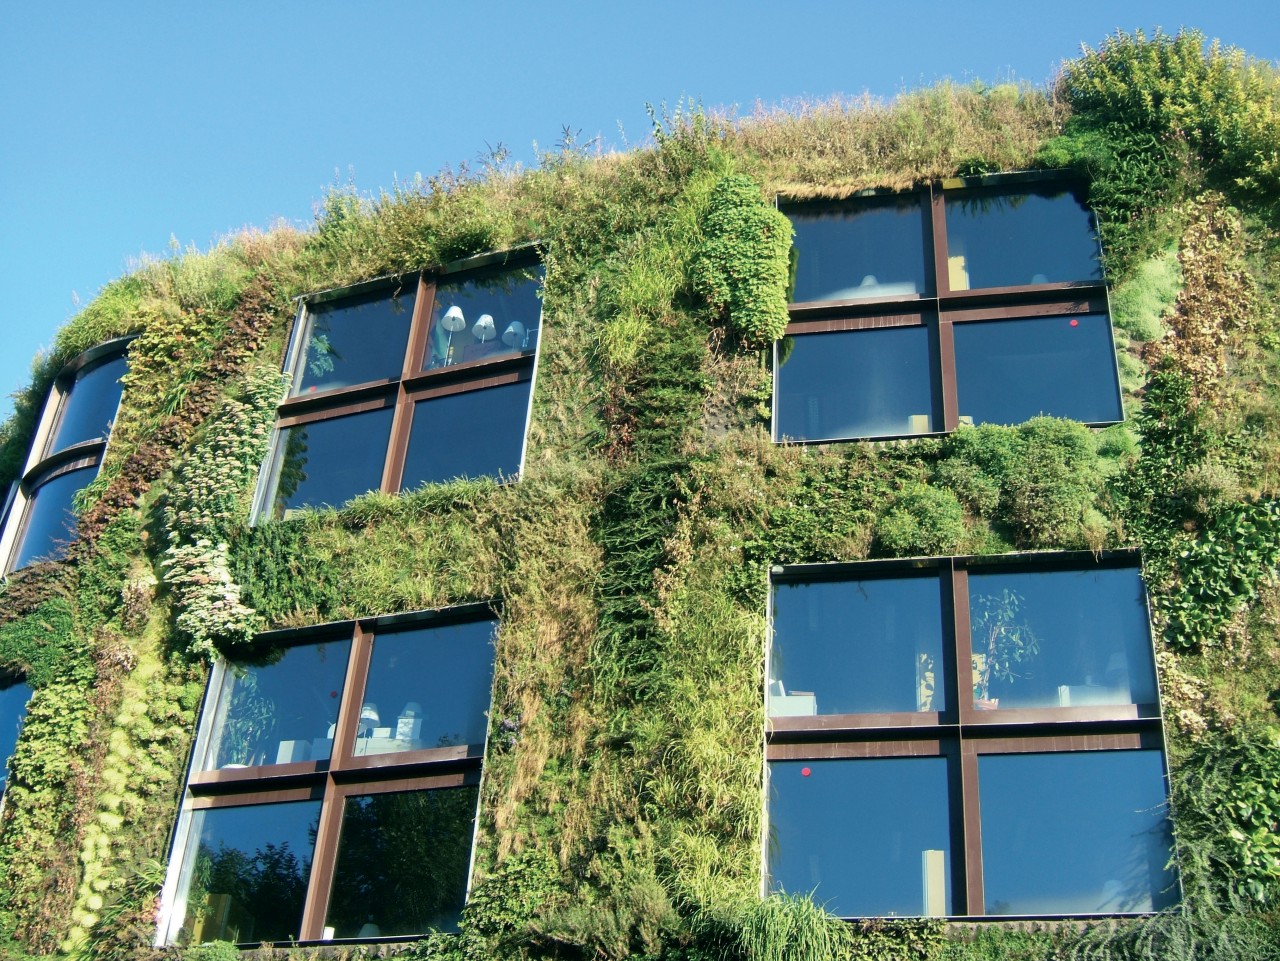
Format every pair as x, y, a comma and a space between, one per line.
1074, 322
805, 772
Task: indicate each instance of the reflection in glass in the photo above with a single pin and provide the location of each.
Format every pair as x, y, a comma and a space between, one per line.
1060, 639
51, 520
490, 315
477, 433
427, 688
845, 647
90, 404
403, 861
1011, 238
866, 837
245, 873
356, 340
325, 463
281, 709
856, 383
1078, 833
1008, 371
14, 695
852, 250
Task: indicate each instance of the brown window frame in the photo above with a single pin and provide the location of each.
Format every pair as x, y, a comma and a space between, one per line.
945, 307
960, 733
400, 393
45, 462
331, 780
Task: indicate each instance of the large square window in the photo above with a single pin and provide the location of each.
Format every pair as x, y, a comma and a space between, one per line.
919, 312
334, 784
70, 441
1031, 783
420, 379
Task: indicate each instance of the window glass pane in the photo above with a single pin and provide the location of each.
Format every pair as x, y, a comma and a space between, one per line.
857, 383
1008, 371
1010, 238
1075, 833
494, 314
246, 871
866, 837
90, 405
403, 861
859, 249
281, 708
478, 433
1060, 639
14, 695
51, 522
325, 463
356, 340
427, 688
844, 647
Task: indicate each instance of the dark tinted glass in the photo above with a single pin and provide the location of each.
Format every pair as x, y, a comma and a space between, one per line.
844, 647
90, 405
247, 872
328, 462
403, 861
427, 688
51, 522
356, 340
14, 695
495, 314
1060, 639
478, 433
859, 249
1010, 238
282, 710
858, 383
866, 837
1079, 833
1008, 371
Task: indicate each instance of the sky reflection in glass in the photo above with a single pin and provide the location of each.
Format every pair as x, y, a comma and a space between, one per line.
1075, 833
356, 340
51, 521
1005, 237
854, 833
325, 463
858, 383
844, 647
14, 695
477, 433
871, 248
90, 406
1008, 371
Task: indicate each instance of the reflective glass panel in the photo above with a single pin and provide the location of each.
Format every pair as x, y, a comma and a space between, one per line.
14, 695
245, 874
866, 837
325, 463
1010, 238
844, 647
1008, 371
859, 249
403, 861
356, 340
477, 433
855, 383
1079, 833
89, 407
51, 521
1060, 639
280, 709
427, 688
491, 315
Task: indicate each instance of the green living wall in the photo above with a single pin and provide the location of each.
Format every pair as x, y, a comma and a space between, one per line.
621, 808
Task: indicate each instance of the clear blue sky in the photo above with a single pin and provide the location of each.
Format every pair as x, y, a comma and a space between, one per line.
125, 124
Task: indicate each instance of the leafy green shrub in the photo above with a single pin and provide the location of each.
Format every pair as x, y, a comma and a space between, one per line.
922, 520
1051, 488
743, 265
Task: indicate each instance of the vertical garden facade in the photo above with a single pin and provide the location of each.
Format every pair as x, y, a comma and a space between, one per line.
785, 540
